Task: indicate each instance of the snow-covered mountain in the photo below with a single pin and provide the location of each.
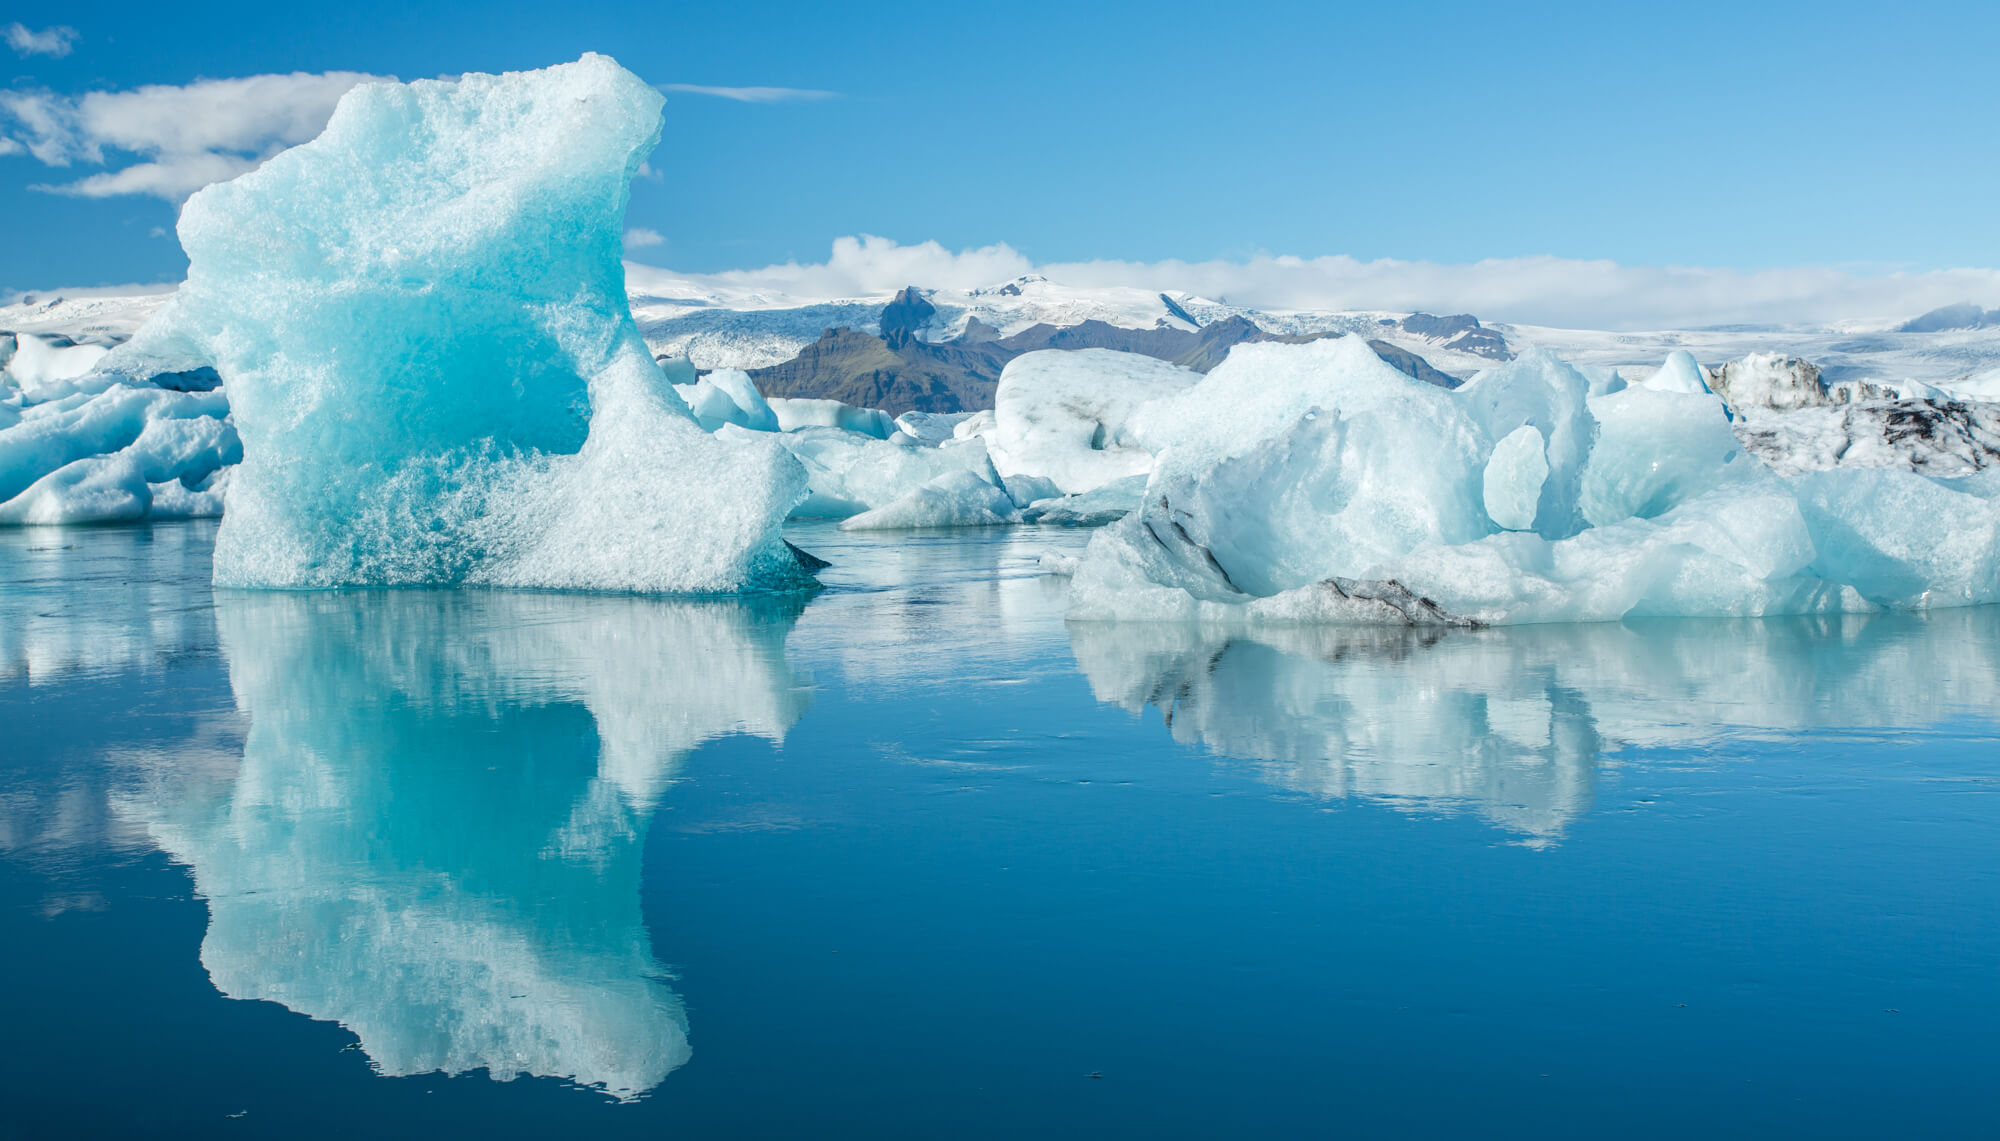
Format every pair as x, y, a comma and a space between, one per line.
717, 324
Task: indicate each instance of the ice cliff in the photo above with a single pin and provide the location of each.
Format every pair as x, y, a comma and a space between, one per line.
421, 322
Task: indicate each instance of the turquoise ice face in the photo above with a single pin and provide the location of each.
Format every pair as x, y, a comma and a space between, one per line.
420, 319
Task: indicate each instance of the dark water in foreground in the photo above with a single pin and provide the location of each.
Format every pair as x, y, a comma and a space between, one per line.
915, 859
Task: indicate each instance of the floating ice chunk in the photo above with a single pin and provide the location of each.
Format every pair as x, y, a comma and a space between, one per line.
727, 396
422, 323
1903, 540
1656, 449
1680, 374
1514, 478
850, 472
1741, 550
92, 457
1293, 464
1381, 505
179, 499
1538, 389
1764, 382
1604, 382
931, 428
975, 426
44, 370
798, 412
1030, 489
954, 499
1065, 415
1058, 564
1093, 508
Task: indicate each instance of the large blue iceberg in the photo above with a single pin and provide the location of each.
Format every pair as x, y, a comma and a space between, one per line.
420, 319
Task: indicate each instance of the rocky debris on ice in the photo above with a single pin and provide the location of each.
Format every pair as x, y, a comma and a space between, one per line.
1943, 438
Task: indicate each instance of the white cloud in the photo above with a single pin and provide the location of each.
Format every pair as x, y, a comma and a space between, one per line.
56, 42
189, 136
1530, 290
639, 237
751, 94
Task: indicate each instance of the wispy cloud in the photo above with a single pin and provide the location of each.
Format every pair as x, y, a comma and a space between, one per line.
188, 136
752, 94
639, 237
1530, 290
56, 42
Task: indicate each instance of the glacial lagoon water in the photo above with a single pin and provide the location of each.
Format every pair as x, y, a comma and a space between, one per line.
913, 857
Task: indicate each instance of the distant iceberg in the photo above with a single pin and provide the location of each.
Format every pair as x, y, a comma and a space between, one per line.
1313, 483
421, 321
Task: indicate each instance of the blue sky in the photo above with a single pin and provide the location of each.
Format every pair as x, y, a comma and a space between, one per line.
1736, 135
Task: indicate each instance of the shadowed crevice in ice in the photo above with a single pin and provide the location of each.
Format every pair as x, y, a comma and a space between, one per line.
421, 322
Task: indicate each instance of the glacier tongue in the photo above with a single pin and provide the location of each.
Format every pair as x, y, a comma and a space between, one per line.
421, 321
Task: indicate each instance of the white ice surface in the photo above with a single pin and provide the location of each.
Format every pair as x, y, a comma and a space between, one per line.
1068, 416
959, 498
1314, 484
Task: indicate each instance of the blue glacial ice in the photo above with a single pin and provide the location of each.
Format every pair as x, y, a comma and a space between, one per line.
421, 322
1312, 483
103, 450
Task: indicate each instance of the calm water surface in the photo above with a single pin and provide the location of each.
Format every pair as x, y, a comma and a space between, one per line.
913, 858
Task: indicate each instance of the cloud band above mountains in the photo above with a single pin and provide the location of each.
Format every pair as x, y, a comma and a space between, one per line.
1570, 292
172, 140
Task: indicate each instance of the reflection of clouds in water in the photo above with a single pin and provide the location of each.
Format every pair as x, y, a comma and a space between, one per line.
435, 832
1510, 723
102, 599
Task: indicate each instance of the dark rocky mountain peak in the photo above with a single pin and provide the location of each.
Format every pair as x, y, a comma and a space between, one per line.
905, 314
1460, 332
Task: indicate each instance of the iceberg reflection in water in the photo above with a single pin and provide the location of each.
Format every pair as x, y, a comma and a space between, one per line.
434, 836
1691, 866
1513, 722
